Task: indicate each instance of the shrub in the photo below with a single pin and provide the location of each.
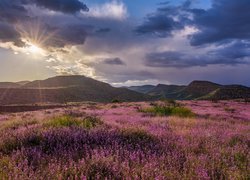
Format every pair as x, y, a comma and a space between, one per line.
161, 110
68, 121
182, 112
62, 121
116, 101
91, 121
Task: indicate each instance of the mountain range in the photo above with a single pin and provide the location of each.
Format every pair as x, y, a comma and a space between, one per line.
64, 89
198, 90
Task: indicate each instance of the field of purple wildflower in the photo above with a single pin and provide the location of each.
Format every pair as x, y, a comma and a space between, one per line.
128, 141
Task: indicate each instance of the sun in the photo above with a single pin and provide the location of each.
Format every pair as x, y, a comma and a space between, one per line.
34, 49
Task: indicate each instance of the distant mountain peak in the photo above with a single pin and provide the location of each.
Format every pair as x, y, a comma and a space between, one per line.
203, 83
65, 81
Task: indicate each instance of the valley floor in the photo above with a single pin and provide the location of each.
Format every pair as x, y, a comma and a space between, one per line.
163, 140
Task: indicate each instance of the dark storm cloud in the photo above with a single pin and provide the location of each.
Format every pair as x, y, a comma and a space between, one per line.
115, 61
226, 24
12, 11
161, 23
103, 30
65, 6
69, 34
235, 50
226, 20
8, 34
234, 54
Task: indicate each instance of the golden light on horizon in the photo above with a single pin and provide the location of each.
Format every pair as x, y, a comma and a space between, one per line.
34, 49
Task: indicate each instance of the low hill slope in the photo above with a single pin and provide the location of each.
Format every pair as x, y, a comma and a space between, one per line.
231, 92
142, 89
62, 89
9, 85
197, 89
166, 91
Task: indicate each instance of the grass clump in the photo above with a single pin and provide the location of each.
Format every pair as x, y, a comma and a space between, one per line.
15, 124
68, 121
163, 110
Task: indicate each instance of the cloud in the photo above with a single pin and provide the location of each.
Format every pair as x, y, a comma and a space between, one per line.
12, 11
71, 34
8, 33
234, 54
104, 42
15, 10
65, 6
115, 61
21, 26
164, 21
226, 20
111, 10
103, 30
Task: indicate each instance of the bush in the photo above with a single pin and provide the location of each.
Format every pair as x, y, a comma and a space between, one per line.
91, 122
68, 121
116, 101
182, 112
161, 110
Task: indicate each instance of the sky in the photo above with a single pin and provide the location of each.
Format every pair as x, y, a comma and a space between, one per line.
126, 42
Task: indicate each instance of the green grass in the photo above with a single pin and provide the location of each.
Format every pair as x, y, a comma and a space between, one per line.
68, 121
161, 110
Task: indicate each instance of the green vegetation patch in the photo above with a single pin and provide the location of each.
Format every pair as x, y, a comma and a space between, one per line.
163, 110
68, 121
